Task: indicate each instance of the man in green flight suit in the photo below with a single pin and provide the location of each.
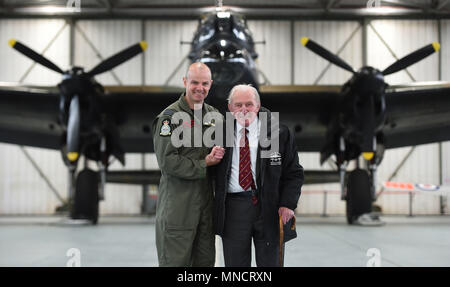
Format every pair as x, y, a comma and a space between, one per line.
184, 231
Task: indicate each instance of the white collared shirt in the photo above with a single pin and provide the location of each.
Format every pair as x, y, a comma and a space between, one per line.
253, 136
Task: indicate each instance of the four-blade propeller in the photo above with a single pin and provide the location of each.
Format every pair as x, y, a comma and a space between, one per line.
366, 106
400, 64
74, 113
104, 66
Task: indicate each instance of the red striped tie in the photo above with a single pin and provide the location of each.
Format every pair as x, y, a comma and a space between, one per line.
245, 170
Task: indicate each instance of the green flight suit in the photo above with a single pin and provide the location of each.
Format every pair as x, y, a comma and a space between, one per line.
184, 229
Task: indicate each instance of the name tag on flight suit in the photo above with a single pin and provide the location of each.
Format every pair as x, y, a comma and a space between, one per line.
275, 158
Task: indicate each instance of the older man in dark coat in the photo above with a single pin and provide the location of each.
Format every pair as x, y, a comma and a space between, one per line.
256, 183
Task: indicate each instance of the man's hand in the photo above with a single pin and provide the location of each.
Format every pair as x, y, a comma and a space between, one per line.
215, 156
286, 214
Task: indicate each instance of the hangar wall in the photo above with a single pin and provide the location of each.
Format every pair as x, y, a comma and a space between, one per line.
283, 61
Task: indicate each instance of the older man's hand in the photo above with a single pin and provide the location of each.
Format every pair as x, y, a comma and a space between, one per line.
215, 156
286, 214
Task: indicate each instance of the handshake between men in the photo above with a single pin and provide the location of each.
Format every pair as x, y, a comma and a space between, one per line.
215, 156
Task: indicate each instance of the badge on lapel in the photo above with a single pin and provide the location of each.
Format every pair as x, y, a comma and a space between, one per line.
209, 124
275, 158
165, 128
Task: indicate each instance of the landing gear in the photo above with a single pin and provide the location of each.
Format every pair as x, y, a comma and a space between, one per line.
86, 199
358, 189
358, 195
87, 188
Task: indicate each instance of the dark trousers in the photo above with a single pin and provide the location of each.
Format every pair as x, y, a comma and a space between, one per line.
243, 222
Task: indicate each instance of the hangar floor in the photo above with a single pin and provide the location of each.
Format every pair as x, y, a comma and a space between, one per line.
129, 241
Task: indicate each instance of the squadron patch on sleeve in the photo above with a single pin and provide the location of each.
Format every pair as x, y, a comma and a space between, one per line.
165, 128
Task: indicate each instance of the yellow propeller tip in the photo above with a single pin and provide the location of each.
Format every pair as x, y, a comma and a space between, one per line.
72, 156
12, 42
304, 41
367, 155
144, 45
436, 46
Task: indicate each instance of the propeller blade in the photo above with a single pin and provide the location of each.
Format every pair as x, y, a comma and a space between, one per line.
324, 53
412, 58
38, 58
73, 130
367, 123
118, 58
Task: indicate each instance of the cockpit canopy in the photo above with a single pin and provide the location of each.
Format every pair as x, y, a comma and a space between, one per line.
222, 35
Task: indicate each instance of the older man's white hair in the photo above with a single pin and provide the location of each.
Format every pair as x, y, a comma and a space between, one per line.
243, 88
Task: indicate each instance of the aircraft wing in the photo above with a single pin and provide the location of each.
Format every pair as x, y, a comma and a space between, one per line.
134, 109
29, 116
304, 109
417, 114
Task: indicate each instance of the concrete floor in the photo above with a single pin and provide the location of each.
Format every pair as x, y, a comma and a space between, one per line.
130, 241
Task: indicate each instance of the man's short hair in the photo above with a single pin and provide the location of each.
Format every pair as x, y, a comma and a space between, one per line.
243, 87
200, 66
